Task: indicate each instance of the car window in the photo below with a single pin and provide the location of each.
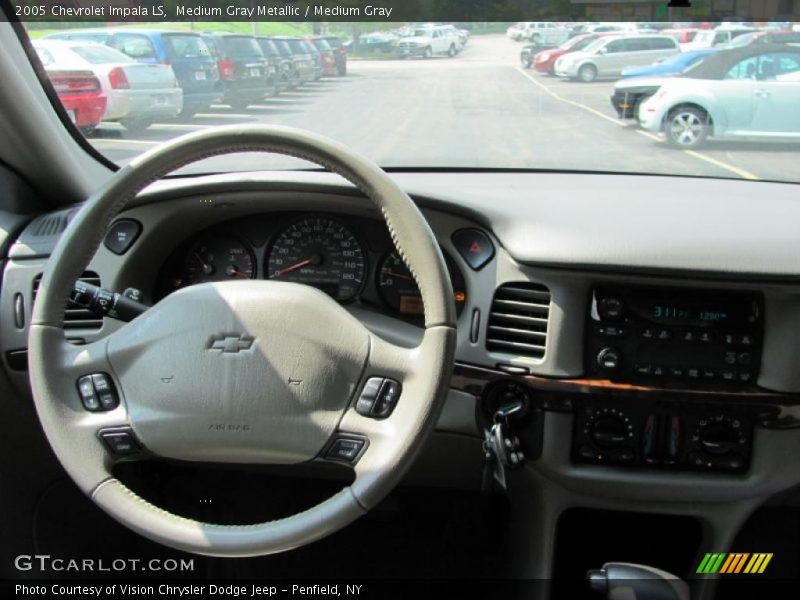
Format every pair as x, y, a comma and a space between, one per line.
638, 45
324, 46
661, 44
101, 55
616, 46
744, 69
241, 46
186, 46
134, 45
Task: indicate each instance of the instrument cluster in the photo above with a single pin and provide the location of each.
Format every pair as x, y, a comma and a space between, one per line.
351, 259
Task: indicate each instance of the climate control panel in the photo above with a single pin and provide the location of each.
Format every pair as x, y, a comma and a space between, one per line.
664, 435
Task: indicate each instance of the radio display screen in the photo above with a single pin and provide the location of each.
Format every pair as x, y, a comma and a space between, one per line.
694, 310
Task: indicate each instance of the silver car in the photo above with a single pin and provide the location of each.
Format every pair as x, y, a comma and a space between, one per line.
751, 92
608, 56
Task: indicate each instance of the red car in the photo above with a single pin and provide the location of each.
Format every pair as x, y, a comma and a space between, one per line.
81, 95
327, 59
543, 61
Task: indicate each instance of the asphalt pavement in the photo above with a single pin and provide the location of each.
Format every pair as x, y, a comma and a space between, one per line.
479, 109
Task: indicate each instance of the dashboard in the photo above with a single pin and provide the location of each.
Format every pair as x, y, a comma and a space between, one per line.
628, 353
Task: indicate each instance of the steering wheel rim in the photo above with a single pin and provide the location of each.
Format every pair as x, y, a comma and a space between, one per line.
329, 335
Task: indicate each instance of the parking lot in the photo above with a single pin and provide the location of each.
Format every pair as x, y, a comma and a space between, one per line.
479, 109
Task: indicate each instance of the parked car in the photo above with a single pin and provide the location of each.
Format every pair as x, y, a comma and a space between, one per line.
668, 66
539, 32
243, 68
529, 51
289, 78
186, 52
607, 56
742, 93
327, 60
278, 65
339, 53
765, 37
639, 83
373, 43
80, 92
545, 60
137, 94
682, 35
302, 59
427, 42
712, 38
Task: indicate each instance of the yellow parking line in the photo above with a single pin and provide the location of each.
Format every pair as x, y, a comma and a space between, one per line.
693, 153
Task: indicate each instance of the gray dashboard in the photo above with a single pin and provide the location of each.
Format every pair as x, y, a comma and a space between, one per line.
569, 233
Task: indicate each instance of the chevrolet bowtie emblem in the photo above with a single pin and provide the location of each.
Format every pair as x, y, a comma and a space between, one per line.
230, 343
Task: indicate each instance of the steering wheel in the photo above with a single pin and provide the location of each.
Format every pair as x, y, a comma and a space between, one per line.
243, 372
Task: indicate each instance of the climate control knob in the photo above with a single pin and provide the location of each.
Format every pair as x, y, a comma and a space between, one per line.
609, 431
609, 359
719, 438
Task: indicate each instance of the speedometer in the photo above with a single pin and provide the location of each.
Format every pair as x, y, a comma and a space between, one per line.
321, 252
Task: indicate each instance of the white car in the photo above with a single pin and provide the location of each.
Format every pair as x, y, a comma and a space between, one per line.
609, 55
710, 38
538, 32
745, 93
429, 41
138, 94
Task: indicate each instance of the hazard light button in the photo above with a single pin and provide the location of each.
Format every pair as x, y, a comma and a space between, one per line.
474, 246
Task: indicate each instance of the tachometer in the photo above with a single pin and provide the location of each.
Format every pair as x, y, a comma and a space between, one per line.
399, 290
321, 252
217, 258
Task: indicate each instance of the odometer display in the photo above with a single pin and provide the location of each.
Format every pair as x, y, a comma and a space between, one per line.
399, 290
321, 252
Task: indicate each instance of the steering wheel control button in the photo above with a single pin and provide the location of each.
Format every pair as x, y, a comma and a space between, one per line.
119, 441
121, 235
387, 399
97, 392
474, 246
345, 449
366, 401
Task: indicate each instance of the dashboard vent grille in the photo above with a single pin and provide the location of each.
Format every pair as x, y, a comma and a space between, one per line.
518, 319
76, 317
50, 225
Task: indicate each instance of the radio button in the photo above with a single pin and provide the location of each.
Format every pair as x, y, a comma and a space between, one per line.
708, 374
728, 375
664, 334
729, 338
731, 358
705, 337
610, 307
643, 369
747, 340
676, 372
745, 358
688, 336
659, 371
611, 331
647, 333
745, 376
693, 373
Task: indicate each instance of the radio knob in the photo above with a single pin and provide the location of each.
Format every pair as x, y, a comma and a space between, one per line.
610, 307
609, 359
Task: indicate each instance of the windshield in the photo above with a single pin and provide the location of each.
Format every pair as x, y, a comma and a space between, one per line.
459, 97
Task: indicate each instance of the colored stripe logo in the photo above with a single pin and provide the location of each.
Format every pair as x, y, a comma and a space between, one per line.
733, 563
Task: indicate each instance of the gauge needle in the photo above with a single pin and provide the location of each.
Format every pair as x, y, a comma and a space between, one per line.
298, 265
398, 275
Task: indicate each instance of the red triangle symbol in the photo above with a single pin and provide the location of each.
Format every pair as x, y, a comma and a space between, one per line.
475, 248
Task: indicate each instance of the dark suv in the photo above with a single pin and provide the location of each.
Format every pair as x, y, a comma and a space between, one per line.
243, 68
303, 58
280, 66
289, 72
339, 54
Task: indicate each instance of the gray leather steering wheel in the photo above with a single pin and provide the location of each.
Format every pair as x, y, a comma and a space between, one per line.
184, 400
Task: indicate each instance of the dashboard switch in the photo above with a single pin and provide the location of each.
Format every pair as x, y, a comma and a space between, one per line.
387, 399
121, 235
474, 246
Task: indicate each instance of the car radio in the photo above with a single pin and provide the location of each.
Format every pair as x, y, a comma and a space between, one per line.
682, 337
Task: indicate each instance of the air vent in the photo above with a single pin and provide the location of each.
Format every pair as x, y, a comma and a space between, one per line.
49, 225
76, 317
518, 319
